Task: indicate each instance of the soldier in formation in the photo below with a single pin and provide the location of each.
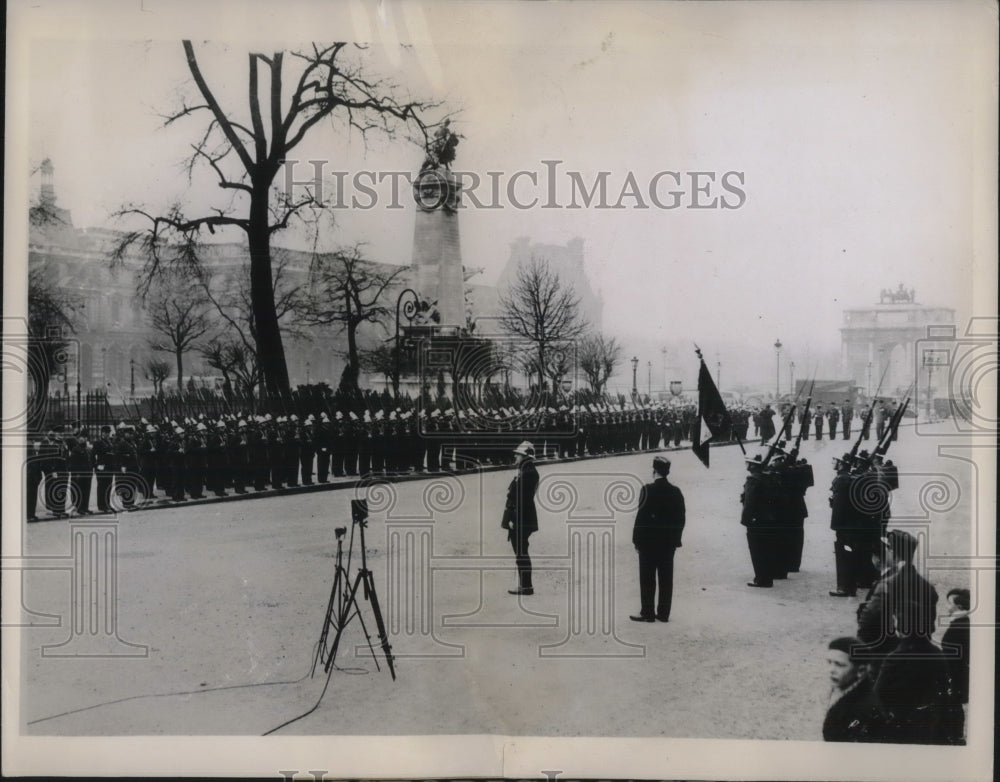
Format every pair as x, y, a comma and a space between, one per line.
774, 513
193, 457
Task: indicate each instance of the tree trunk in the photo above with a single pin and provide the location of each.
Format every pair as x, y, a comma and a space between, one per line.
270, 350
352, 348
179, 355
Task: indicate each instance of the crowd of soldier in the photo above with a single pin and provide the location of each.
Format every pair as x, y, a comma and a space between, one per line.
195, 457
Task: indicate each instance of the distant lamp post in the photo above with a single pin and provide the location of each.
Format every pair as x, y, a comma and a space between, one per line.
777, 368
635, 366
131, 369
930, 361
791, 377
649, 379
869, 379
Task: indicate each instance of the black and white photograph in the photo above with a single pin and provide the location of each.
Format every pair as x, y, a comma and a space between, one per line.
564, 390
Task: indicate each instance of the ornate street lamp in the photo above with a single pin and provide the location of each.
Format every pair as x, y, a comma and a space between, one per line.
409, 305
791, 377
777, 368
635, 365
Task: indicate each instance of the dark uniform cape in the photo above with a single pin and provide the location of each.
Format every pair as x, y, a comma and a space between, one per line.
660, 518
659, 522
520, 518
761, 499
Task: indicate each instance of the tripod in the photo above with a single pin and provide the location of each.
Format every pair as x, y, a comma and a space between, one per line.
343, 604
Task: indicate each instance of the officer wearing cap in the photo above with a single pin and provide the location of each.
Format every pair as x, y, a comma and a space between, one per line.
520, 517
659, 522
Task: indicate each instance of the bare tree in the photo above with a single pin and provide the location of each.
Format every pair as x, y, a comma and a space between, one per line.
157, 371
245, 153
540, 308
231, 297
235, 361
180, 317
345, 291
599, 356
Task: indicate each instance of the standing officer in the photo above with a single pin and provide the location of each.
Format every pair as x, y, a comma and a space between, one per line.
104, 464
81, 468
761, 497
818, 421
847, 414
833, 416
520, 518
656, 535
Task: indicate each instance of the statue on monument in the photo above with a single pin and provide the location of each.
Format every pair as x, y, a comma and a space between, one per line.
441, 150
899, 296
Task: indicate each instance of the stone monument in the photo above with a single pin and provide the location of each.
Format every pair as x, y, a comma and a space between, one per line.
437, 252
884, 337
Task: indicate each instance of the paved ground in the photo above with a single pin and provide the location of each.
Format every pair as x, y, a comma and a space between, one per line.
228, 598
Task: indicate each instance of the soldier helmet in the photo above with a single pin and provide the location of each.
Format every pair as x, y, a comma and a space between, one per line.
525, 449
201, 427
354, 417
338, 415
241, 424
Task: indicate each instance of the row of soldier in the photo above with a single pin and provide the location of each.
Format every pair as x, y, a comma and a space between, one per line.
831, 418
192, 457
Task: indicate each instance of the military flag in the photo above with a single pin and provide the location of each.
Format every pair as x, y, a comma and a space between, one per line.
713, 417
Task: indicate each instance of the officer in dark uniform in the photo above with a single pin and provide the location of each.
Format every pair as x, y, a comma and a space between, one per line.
520, 518
659, 522
833, 416
307, 449
761, 497
238, 452
818, 419
847, 413
866, 424
81, 468
104, 466
848, 528
215, 459
194, 460
127, 459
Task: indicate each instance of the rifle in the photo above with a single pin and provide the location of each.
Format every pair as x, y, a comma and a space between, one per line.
891, 429
867, 422
787, 426
883, 447
803, 423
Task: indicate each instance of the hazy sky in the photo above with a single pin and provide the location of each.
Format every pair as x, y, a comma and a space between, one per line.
854, 128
